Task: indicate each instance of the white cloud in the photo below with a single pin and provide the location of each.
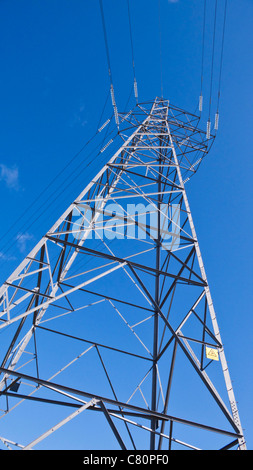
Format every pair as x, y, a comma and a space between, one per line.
9, 175
78, 117
22, 238
4, 257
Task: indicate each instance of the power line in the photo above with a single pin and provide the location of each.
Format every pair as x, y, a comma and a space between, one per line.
214, 34
132, 51
109, 65
65, 184
56, 177
63, 187
160, 34
221, 63
133, 63
202, 59
208, 126
222, 51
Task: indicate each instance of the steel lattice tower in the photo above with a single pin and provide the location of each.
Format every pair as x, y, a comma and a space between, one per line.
111, 312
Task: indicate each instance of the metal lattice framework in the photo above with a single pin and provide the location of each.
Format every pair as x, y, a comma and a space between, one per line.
111, 312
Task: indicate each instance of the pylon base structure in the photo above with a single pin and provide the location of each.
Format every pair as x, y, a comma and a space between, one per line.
111, 312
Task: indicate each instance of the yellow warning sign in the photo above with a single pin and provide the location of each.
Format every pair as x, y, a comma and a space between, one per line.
212, 354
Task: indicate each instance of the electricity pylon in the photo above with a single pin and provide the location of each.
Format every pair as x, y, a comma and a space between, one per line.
111, 312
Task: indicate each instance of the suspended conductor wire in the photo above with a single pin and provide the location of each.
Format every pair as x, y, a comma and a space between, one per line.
109, 65
208, 125
132, 51
221, 63
106, 41
160, 34
211, 81
222, 52
65, 185
42, 193
102, 113
202, 59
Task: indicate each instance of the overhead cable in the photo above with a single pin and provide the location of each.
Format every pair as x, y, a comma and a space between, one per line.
109, 66
132, 50
221, 63
202, 60
53, 181
211, 79
160, 34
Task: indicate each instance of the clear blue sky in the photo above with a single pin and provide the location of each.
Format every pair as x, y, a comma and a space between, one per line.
53, 85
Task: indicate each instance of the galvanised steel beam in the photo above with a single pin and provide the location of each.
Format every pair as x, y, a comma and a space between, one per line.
144, 412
